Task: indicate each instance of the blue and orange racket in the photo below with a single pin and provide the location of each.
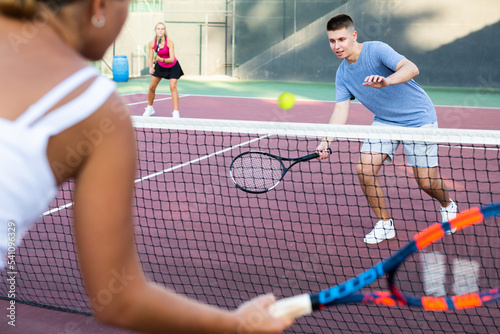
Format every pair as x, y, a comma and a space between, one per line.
348, 292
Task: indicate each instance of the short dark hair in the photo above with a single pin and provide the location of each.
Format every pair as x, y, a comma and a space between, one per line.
340, 21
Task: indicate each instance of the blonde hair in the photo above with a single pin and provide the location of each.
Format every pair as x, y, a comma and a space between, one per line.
156, 25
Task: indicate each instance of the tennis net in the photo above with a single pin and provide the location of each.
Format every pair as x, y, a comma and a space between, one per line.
201, 236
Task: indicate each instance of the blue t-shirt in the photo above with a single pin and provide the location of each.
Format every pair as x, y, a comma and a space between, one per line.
405, 104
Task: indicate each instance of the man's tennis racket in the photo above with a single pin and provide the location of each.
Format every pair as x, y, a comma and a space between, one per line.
260, 172
345, 293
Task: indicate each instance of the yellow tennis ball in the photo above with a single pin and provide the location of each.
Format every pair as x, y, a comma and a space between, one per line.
286, 101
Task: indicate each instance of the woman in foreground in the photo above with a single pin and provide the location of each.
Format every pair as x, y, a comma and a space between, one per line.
60, 120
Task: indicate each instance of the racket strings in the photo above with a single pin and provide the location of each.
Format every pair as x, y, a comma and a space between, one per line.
440, 273
257, 172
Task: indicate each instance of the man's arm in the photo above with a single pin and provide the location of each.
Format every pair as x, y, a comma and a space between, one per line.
339, 116
405, 71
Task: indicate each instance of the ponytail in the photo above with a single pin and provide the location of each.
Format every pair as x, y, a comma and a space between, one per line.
18, 8
26, 9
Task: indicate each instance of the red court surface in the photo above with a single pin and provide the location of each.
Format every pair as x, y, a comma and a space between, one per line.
38, 320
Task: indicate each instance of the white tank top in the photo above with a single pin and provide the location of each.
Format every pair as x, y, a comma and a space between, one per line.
27, 184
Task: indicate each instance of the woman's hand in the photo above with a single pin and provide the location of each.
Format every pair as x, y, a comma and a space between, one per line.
254, 317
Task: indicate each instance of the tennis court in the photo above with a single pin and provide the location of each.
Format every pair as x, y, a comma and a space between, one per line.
201, 236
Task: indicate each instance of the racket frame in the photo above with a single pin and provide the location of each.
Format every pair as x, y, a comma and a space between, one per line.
280, 159
345, 293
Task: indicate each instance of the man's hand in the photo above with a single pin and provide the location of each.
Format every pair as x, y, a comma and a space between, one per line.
322, 149
376, 81
405, 71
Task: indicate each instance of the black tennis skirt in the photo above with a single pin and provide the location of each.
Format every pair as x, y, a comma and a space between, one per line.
174, 72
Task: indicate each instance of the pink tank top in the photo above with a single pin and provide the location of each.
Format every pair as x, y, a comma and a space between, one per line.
164, 53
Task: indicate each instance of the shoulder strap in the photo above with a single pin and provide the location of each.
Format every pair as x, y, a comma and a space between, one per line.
79, 108
40, 108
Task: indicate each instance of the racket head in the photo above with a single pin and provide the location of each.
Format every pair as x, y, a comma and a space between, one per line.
485, 292
256, 172
447, 272
435, 271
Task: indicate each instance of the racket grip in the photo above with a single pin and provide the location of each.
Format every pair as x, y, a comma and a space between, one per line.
329, 150
292, 307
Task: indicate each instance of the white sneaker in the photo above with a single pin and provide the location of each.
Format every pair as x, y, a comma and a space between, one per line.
149, 111
383, 230
175, 114
448, 214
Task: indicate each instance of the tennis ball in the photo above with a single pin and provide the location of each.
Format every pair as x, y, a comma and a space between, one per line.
286, 101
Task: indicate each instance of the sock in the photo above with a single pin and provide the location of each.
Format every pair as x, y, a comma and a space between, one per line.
387, 222
449, 206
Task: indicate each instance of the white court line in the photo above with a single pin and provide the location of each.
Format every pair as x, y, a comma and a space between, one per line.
68, 205
142, 102
199, 159
166, 98
65, 206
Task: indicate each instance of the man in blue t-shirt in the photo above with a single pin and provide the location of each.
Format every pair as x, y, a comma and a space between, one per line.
382, 80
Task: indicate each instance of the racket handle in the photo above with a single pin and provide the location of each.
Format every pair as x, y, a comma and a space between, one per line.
313, 155
292, 307
329, 150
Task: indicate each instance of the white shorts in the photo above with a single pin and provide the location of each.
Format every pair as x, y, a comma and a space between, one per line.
418, 154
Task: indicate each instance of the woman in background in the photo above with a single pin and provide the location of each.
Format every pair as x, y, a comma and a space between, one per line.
163, 65
50, 101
